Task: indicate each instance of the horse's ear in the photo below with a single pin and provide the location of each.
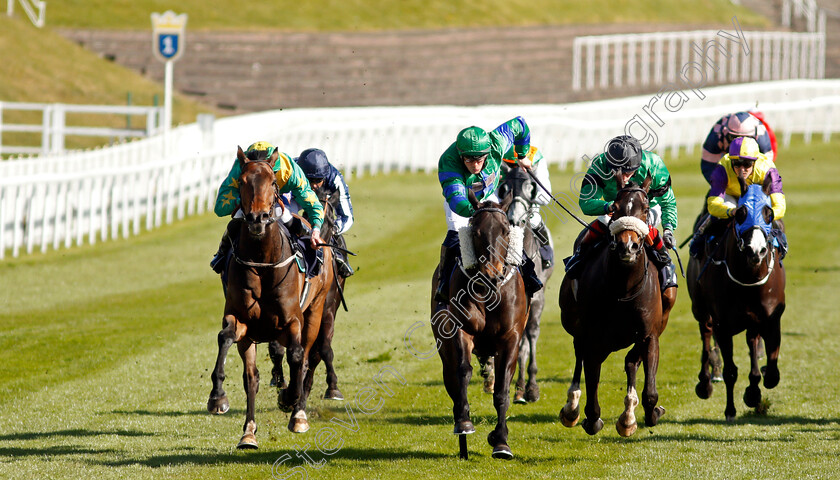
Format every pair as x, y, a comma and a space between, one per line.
240, 155
472, 199
768, 214
741, 214
765, 187
507, 201
743, 184
646, 183
619, 180
273, 158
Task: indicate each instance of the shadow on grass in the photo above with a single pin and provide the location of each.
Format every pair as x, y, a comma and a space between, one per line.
72, 433
161, 413
268, 458
19, 453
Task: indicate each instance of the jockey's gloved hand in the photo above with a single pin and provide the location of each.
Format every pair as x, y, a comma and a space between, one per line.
610, 208
524, 162
315, 239
668, 239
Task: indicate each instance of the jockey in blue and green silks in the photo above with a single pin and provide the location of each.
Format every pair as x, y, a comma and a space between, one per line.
290, 178
473, 162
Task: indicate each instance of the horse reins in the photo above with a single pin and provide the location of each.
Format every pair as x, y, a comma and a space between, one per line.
771, 263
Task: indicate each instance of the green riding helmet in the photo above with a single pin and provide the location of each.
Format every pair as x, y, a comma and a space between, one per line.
472, 142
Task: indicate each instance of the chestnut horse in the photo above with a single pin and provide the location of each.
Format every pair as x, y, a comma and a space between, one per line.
322, 350
486, 314
740, 286
524, 190
617, 303
263, 300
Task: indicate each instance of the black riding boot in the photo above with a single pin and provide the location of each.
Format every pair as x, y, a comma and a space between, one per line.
344, 268
218, 261
667, 270
448, 255
533, 284
542, 235
297, 228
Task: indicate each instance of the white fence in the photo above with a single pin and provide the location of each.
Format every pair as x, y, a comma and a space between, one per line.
64, 200
54, 127
656, 58
29, 7
807, 9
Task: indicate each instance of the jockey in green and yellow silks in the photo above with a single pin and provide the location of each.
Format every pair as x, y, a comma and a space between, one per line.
289, 177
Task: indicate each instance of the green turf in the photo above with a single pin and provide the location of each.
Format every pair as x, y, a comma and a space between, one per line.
358, 15
106, 353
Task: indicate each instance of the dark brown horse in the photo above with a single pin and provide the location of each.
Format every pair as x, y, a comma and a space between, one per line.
740, 286
263, 300
322, 350
615, 304
486, 314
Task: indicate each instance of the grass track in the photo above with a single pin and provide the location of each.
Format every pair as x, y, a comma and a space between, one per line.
106, 352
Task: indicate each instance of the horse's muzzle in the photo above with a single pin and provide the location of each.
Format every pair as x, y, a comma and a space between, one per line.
628, 252
257, 222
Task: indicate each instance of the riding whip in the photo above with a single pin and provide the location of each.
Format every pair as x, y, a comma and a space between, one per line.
534, 177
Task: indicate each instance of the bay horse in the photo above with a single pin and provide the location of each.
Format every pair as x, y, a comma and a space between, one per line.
615, 304
486, 315
740, 286
322, 350
524, 190
263, 300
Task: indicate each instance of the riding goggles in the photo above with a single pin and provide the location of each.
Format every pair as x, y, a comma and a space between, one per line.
474, 158
742, 163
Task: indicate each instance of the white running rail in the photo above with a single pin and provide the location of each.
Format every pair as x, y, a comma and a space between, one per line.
29, 7
54, 128
54, 201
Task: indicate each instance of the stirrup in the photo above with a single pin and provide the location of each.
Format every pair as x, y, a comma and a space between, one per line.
344, 268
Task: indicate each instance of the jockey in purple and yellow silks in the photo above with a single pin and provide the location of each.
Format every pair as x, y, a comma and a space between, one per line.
473, 162
290, 178
728, 128
745, 161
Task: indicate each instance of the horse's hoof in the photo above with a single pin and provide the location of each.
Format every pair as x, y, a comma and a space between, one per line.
653, 418
502, 452
247, 442
730, 418
569, 419
717, 378
519, 397
279, 383
282, 404
703, 389
333, 394
489, 384
532, 394
771, 377
464, 428
752, 396
218, 406
299, 423
626, 430
592, 427
730, 414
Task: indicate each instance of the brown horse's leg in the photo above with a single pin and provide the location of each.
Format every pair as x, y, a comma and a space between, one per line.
704, 386
752, 395
730, 374
218, 401
251, 382
626, 424
276, 351
771, 334
570, 413
592, 424
327, 331
289, 396
457, 370
505, 363
650, 396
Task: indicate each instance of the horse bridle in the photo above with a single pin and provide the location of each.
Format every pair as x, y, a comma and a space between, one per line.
647, 211
770, 259
496, 280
